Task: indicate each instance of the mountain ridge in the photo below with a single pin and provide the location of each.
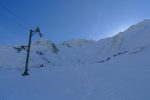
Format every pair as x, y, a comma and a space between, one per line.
81, 51
115, 68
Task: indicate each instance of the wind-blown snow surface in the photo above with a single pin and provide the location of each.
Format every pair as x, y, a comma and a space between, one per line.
115, 68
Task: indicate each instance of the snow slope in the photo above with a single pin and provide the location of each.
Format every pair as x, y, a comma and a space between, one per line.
115, 68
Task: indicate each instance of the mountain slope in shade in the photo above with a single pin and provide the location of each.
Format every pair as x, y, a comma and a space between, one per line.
115, 68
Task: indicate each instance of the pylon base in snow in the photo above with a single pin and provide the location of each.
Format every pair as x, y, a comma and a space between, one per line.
25, 74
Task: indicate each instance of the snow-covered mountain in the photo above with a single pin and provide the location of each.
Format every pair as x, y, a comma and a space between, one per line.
133, 40
114, 68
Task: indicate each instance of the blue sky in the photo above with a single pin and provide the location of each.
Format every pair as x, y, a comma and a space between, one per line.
61, 20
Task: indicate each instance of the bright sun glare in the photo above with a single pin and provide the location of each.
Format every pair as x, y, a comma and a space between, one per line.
122, 28
118, 30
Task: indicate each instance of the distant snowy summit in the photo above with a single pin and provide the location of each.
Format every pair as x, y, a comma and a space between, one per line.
143, 26
134, 31
136, 35
78, 42
134, 40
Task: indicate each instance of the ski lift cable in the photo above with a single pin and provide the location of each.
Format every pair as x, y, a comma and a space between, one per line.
13, 14
20, 22
16, 22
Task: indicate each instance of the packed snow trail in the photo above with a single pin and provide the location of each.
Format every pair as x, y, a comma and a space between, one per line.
124, 78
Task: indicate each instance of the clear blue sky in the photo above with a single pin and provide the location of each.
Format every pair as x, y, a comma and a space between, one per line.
61, 20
